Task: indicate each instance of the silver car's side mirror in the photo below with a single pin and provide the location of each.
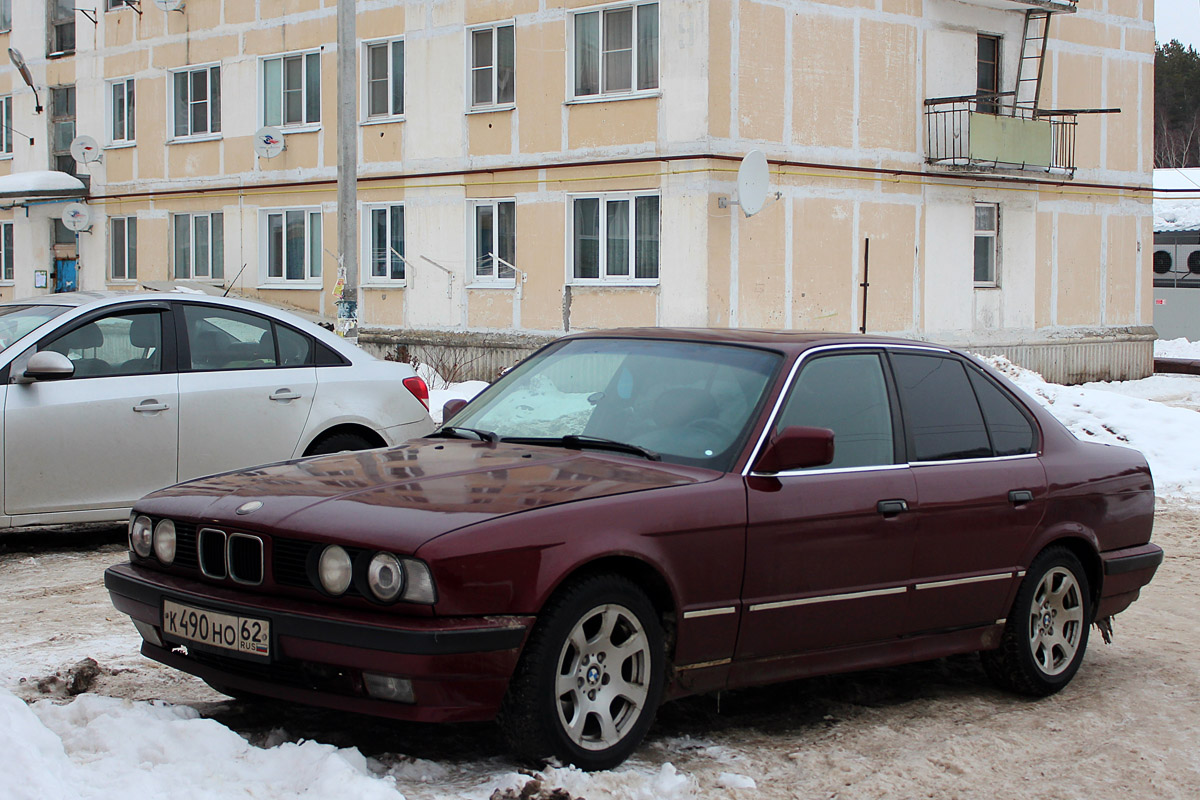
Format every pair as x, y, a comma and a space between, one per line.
48, 365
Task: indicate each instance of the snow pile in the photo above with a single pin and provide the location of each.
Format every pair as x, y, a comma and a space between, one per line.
1178, 209
1176, 348
1112, 413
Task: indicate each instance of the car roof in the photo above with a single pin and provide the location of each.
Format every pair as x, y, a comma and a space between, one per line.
780, 339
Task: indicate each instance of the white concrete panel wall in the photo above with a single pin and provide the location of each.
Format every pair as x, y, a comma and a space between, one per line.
949, 248
683, 64
684, 257
436, 227
433, 127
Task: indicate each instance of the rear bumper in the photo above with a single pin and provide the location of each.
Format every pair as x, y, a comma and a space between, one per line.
1126, 571
459, 667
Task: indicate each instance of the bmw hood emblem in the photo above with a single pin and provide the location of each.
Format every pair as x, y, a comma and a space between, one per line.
249, 508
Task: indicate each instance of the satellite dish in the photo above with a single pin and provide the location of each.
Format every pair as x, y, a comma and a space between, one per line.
268, 142
169, 5
85, 149
752, 182
77, 216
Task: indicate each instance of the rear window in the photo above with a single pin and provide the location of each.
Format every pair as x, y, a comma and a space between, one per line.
1012, 432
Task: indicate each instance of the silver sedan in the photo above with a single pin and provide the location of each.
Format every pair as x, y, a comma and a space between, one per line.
107, 396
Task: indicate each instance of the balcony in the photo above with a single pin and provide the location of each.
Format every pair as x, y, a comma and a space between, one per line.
982, 133
1056, 6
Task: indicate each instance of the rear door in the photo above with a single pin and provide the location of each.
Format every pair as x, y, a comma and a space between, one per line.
103, 437
246, 387
981, 485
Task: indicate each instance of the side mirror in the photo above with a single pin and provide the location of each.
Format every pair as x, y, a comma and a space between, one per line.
452, 407
796, 447
48, 365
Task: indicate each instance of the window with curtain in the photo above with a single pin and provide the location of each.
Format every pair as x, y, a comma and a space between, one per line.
385, 235
495, 245
199, 246
121, 110
5, 15
6, 250
384, 68
616, 50
123, 248
615, 238
291, 247
493, 66
196, 101
6, 119
291, 89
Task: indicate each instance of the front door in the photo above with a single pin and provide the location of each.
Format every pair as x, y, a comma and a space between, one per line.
66, 275
829, 549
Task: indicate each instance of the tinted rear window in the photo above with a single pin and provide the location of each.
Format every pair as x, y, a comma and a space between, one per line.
1012, 433
943, 418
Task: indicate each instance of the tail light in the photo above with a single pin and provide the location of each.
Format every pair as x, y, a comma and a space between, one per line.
419, 390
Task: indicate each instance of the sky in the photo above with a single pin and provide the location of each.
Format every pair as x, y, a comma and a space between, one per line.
1177, 19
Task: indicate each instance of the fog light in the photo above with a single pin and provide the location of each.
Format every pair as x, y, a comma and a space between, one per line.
148, 632
164, 541
389, 687
140, 535
335, 570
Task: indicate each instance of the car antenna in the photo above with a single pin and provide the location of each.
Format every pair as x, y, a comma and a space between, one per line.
232, 282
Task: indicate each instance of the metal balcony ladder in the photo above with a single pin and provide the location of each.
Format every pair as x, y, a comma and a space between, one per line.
1032, 60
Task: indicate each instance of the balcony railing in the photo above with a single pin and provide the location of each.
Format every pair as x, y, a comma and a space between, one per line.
986, 132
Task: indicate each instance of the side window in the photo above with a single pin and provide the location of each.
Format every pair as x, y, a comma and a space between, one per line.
942, 415
847, 394
122, 344
222, 338
1012, 433
295, 349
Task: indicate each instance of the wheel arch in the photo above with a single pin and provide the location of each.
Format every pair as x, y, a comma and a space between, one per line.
1089, 557
353, 428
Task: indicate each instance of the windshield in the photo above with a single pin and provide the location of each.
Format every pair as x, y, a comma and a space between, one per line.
16, 321
688, 402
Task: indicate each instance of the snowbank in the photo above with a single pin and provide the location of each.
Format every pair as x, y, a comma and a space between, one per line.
1176, 348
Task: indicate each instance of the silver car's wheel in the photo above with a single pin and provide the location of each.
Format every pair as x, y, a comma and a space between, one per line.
1056, 621
603, 677
590, 677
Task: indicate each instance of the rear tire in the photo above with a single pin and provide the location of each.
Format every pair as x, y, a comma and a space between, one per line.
1046, 633
591, 677
340, 443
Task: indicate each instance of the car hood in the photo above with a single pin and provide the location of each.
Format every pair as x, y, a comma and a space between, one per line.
404, 496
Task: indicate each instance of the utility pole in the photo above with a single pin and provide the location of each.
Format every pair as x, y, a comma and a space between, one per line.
347, 188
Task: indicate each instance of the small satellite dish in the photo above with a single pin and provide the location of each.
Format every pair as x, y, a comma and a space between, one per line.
752, 182
85, 149
169, 5
268, 142
77, 216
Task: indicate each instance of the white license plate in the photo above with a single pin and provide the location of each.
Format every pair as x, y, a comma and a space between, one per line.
245, 635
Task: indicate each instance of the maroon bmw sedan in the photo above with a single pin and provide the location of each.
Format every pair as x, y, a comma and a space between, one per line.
636, 515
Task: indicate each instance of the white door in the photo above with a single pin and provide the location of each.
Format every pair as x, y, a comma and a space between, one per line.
102, 438
246, 397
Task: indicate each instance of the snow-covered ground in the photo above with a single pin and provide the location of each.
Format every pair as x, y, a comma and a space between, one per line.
1126, 727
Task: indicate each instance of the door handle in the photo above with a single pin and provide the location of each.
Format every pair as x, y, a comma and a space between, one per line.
285, 394
150, 405
890, 508
1019, 497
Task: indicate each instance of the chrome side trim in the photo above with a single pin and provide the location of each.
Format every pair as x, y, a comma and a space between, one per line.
987, 459
1001, 621
709, 612
832, 471
964, 581
1019, 573
720, 662
828, 598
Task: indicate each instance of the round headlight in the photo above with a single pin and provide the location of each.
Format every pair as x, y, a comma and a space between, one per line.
164, 541
140, 535
385, 577
335, 569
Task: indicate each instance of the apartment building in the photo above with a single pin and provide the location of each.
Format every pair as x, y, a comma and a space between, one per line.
529, 167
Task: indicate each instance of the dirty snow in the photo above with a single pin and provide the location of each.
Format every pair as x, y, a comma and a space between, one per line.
120, 726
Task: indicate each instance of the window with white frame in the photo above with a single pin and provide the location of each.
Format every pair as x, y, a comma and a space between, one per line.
6, 132
495, 244
291, 89
199, 246
196, 101
6, 249
615, 238
384, 68
121, 110
123, 248
291, 247
5, 15
616, 50
385, 243
110, 5
493, 66
987, 229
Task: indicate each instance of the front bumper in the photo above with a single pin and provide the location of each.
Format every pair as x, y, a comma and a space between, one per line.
459, 667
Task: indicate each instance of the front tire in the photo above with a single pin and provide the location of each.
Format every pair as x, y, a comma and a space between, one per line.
591, 677
1047, 631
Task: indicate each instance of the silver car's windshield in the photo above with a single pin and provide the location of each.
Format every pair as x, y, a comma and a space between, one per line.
686, 402
16, 321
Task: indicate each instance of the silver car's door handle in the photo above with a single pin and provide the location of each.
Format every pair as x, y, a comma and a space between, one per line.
150, 405
285, 394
